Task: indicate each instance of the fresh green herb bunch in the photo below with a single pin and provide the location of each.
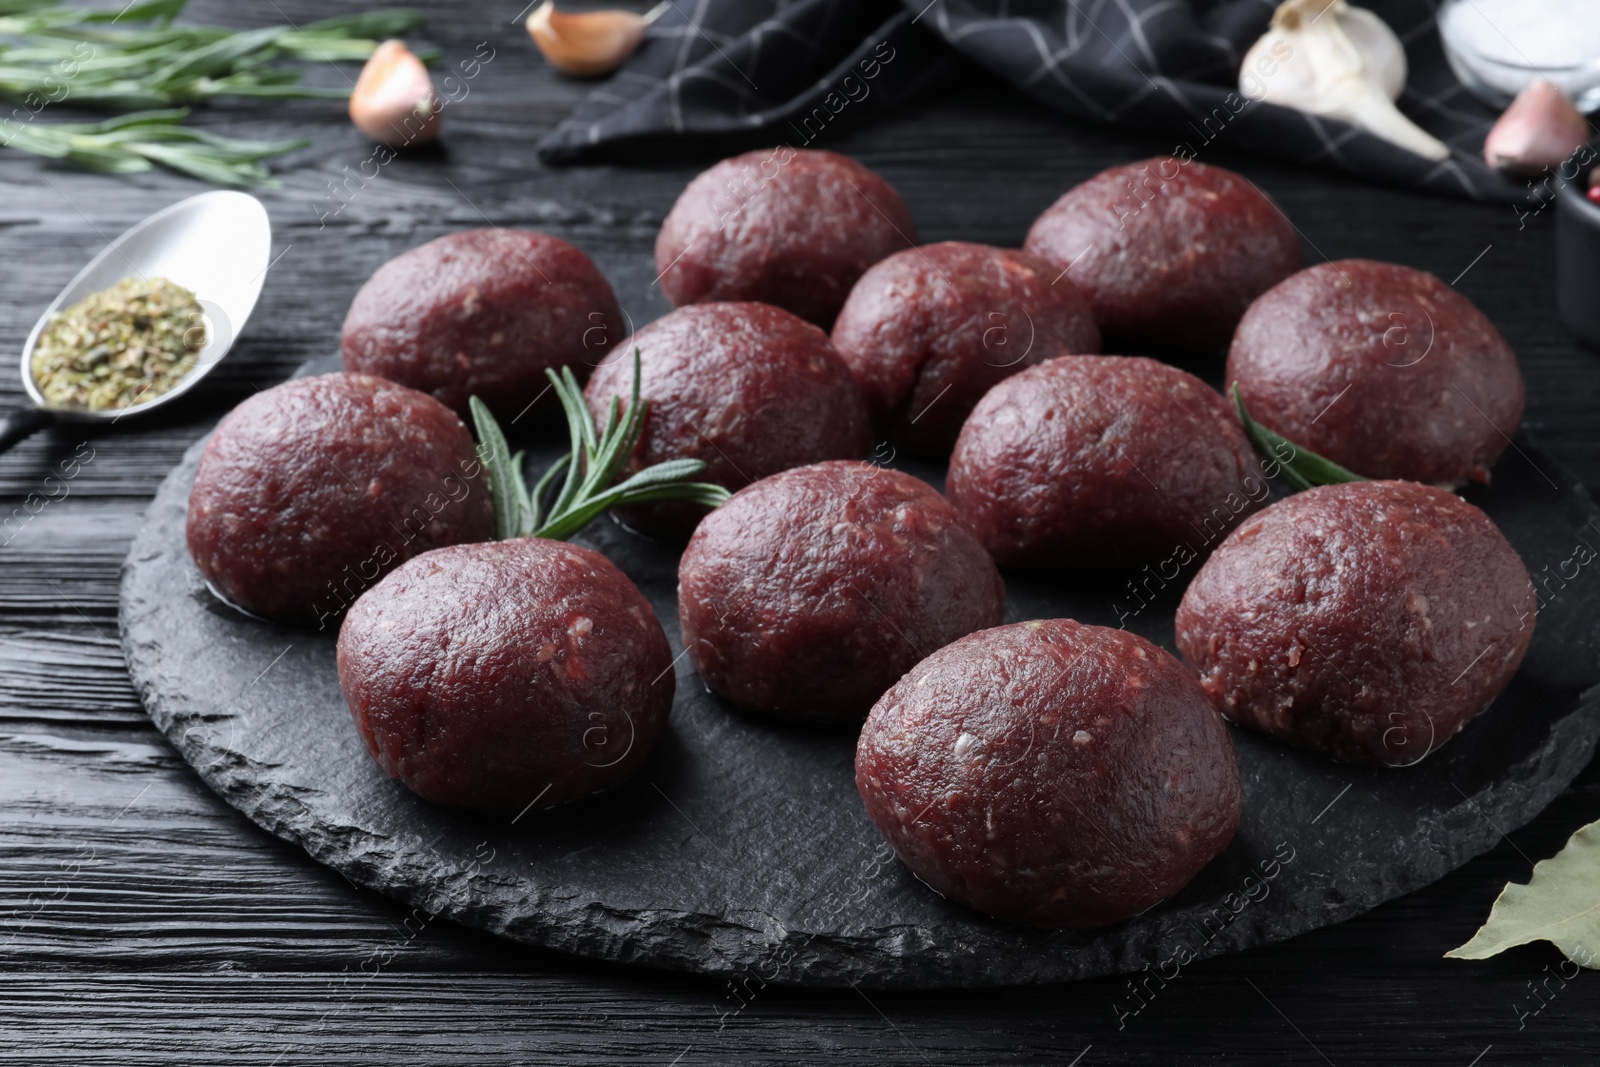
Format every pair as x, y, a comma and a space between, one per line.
588, 473
135, 59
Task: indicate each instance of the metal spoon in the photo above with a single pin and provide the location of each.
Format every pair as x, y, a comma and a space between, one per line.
216, 245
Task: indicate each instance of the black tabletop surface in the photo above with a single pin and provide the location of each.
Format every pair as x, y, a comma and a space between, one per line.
144, 921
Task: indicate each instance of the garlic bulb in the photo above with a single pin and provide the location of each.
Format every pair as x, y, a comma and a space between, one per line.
393, 101
1328, 58
588, 43
1540, 130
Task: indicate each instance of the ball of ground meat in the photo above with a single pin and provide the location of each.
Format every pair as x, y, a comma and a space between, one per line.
506, 675
1092, 459
810, 592
748, 388
310, 492
785, 226
1369, 620
1168, 252
1382, 369
1051, 773
483, 313
929, 330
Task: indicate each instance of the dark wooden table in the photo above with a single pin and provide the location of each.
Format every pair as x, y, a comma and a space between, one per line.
142, 920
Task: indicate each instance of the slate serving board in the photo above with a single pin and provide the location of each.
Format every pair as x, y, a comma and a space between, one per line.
742, 848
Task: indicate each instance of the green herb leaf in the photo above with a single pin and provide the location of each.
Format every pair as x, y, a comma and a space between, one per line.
542, 488
164, 10
1300, 467
1560, 904
216, 57
505, 481
663, 473
589, 471
394, 22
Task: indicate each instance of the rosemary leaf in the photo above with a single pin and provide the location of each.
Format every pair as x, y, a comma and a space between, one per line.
164, 10
578, 409
637, 409
260, 90
577, 518
525, 504
143, 119
672, 470
203, 164
694, 492
504, 481
579, 428
1300, 467
393, 22
542, 489
216, 57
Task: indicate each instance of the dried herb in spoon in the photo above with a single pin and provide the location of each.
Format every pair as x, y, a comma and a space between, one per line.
120, 346
1300, 467
588, 474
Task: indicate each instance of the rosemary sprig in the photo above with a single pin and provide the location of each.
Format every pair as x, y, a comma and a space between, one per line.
587, 473
1300, 467
136, 59
128, 144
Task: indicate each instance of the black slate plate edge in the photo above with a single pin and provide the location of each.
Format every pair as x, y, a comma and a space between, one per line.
749, 950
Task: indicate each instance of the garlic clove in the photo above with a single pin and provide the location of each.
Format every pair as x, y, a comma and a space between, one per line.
1540, 129
1385, 56
393, 101
588, 43
1311, 60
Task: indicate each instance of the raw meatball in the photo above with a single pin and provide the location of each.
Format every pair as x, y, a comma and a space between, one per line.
810, 592
785, 226
1051, 773
1369, 620
310, 492
1382, 369
929, 330
748, 388
1169, 252
506, 675
1089, 459
483, 313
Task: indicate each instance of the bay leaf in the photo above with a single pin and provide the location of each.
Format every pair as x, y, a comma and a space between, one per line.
1559, 904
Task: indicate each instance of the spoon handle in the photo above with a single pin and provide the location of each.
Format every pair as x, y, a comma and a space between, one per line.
16, 425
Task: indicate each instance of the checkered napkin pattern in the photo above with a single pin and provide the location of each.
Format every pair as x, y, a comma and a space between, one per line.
783, 67
788, 67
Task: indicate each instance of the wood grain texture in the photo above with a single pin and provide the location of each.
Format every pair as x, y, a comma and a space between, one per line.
143, 921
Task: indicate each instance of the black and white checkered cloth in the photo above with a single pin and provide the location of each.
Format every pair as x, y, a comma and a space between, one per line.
789, 68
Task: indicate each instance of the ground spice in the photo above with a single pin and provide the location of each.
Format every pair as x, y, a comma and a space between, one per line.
120, 346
